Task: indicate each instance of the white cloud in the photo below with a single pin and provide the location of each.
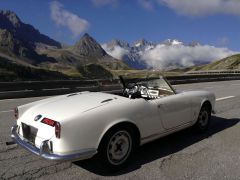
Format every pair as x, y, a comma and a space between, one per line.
116, 52
203, 7
104, 2
146, 4
173, 56
62, 17
162, 56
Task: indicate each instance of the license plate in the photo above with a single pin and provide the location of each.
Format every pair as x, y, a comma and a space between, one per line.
29, 132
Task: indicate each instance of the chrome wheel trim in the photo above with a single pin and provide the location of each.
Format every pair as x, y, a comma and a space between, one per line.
203, 118
119, 147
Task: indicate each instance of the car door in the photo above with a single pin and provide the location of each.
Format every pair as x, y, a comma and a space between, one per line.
146, 115
174, 110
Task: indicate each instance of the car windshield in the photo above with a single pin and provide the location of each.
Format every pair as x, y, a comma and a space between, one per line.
146, 85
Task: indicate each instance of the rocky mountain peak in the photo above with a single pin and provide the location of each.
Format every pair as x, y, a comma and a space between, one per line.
87, 46
25, 33
170, 42
120, 43
141, 42
87, 36
10, 17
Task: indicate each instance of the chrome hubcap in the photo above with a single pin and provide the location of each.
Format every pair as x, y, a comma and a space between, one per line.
203, 118
119, 147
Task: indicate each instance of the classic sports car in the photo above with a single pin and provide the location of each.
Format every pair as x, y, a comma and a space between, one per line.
109, 126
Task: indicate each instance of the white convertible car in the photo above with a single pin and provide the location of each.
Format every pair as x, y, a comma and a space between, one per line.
109, 126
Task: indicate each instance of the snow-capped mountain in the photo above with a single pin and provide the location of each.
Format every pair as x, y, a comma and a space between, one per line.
165, 55
171, 42
132, 54
129, 54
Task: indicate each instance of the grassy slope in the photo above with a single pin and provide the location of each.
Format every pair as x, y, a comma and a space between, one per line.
228, 63
11, 71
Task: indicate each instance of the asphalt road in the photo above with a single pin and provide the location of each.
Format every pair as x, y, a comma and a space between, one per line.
183, 155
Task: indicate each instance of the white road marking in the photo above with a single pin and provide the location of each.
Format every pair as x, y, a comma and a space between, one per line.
235, 84
210, 87
55, 89
218, 86
24, 98
7, 99
27, 90
6, 111
223, 98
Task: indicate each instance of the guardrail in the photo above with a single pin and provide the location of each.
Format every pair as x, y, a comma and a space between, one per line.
49, 88
234, 71
184, 79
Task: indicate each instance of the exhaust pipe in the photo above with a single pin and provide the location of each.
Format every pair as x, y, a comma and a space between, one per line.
9, 143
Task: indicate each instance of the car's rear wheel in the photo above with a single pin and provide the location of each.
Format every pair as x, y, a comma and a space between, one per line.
116, 148
204, 118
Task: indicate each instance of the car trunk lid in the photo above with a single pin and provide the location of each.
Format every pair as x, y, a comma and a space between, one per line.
62, 109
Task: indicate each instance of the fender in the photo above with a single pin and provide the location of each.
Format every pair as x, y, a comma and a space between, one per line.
112, 124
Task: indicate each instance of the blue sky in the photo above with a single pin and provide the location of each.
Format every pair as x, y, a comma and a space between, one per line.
210, 23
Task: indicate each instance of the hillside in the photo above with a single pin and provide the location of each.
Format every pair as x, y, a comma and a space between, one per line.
24, 47
10, 71
228, 63
85, 51
26, 33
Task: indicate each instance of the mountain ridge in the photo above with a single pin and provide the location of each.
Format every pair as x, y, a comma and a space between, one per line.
228, 63
22, 44
25, 32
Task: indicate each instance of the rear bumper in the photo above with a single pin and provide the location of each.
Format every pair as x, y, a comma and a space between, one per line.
44, 150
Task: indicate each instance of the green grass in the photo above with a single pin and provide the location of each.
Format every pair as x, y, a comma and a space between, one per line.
228, 63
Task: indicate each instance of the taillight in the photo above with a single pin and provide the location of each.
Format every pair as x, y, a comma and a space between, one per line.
48, 122
57, 130
16, 113
55, 124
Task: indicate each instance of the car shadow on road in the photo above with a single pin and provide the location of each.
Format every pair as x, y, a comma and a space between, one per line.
165, 146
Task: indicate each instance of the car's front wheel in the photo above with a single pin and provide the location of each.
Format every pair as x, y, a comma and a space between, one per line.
116, 148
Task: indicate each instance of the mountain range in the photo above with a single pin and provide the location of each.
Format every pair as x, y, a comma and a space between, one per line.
133, 54
26, 54
24, 46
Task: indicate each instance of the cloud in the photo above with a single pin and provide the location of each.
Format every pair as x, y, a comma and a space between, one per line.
62, 17
203, 7
99, 3
146, 4
175, 56
116, 52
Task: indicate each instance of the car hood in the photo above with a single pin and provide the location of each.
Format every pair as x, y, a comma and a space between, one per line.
64, 107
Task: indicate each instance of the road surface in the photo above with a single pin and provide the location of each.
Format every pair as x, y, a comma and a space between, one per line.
183, 155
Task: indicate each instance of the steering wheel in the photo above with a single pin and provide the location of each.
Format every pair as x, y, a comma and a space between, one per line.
132, 90
144, 92
135, 90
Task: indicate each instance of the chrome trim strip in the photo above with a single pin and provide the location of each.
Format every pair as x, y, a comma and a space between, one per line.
44, 150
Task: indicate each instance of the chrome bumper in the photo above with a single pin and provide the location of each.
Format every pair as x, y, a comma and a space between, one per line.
44, 150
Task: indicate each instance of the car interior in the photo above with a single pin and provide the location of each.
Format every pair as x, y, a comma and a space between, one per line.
149, 88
